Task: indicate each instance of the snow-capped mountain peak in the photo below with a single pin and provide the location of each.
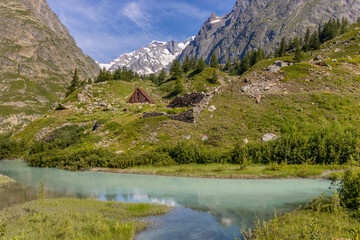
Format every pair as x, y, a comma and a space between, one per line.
150, 59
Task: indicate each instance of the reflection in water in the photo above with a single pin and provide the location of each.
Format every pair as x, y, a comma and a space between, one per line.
218, 208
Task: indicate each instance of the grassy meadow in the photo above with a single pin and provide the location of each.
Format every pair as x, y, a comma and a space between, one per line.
45, 219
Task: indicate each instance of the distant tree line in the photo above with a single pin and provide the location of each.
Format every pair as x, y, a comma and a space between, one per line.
312, 41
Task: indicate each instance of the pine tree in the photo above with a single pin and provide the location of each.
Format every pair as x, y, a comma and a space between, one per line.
179, 86
75, 83
214, 77
307, 40
214, 62
186, 65
358, 20
344, 25
162, 76
227, 65
282, 49
244, 65
175, 69
193, 63
200, 65
315, 41
298, 54
154, 79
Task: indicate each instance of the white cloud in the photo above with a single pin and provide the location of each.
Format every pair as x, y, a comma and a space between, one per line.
137, 14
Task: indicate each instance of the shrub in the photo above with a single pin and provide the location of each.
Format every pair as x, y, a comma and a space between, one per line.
349, 189
10, 148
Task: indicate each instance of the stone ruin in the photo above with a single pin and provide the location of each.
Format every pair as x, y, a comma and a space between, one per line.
188, 100
187, 116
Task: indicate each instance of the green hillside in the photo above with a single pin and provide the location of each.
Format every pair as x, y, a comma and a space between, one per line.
312, 107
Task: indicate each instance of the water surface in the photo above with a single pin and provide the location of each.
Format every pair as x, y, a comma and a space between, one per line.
205, 208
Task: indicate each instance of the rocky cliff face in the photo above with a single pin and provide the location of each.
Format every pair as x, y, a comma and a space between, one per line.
262, 23
150, 59
37, 57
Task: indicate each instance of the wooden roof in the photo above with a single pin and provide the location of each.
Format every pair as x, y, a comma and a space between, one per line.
144, 93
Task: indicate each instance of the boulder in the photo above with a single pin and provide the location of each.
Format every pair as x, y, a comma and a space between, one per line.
318, 58
281, 64
274, 68
245, 88
269, 137
205, 138
212, 108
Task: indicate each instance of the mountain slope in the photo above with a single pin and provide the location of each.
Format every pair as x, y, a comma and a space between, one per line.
262, 23
38, 57
150, 59
302, 97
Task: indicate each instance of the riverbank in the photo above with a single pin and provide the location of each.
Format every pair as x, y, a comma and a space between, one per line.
5, 180
229, 171
76, 219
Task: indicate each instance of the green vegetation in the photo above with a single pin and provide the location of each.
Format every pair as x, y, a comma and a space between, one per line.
5, 180
335, 217
167, 167
75, 219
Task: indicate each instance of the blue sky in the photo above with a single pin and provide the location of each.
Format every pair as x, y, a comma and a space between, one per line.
105, 29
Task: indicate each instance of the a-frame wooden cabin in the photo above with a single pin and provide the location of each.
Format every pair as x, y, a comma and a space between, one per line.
140, 96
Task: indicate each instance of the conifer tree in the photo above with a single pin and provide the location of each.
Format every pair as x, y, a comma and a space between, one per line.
200, 65
193, 63
162, 76
175, 69
244, 65
282, 49
214, 62
227, 65
186, 65
214, 77
358, 20
298, 54
154, 79
315, 41
75, 83
307, 40
179, 86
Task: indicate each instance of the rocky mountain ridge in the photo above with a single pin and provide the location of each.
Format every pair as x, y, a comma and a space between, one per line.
38, 57
150, 59
262, 23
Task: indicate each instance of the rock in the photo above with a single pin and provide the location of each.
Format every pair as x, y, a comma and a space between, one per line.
337, 50
269, 137
120, 152
267, 88
205, 138
258, 99
281, 64
274, 68
188, 100
245, 88
152, 114
96, 126
212, 108
348, 57
318, 58
58, 107
334, 60
126, 109
322, 64
246, 141
187, 137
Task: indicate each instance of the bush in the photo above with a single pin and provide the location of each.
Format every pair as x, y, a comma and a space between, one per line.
325, 146
349, 189
11, 148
